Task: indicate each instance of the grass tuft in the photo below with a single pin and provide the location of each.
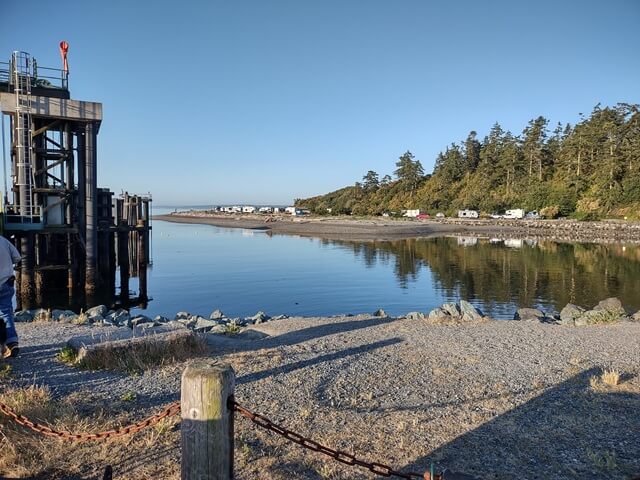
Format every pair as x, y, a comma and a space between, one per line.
610, 377
150, 353
67, 355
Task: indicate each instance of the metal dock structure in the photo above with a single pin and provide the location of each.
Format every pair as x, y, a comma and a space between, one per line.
73, 236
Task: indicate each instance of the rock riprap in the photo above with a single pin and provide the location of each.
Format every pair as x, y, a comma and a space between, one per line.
456, 313
100, 315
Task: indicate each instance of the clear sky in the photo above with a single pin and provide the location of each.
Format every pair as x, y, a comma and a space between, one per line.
209, 102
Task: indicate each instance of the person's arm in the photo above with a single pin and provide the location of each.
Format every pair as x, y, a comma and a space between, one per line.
15, 255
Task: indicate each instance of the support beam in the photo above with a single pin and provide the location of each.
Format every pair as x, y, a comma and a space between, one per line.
91, 209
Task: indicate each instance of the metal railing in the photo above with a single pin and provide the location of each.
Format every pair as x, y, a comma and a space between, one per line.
43, 77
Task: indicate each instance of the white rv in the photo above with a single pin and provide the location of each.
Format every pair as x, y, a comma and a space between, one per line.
411, 213
467, 214
514, 213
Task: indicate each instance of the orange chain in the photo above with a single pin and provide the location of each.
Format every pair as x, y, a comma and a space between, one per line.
169, 411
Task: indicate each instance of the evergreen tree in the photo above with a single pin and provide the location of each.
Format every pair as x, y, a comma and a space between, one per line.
409, 171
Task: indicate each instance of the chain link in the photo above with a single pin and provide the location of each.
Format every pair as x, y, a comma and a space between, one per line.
169, 411
340, 456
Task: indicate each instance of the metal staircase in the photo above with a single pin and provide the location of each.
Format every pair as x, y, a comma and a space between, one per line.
24, 211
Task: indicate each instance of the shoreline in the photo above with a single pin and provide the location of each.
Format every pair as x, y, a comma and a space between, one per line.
339, 228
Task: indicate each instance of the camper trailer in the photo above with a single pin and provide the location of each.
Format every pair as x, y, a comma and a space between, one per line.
514, 213
467, 214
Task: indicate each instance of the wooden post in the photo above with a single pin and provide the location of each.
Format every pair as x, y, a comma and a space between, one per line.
207, 421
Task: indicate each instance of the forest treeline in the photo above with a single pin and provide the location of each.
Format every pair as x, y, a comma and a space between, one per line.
587, 170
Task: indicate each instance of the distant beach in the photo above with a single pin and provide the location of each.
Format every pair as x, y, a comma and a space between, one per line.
389, 229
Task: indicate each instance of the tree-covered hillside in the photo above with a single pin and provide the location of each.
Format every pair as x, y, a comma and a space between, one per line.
588, 170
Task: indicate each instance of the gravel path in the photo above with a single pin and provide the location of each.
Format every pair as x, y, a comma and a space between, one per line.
501, 400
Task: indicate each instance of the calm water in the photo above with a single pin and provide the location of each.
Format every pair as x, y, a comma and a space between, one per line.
199, 268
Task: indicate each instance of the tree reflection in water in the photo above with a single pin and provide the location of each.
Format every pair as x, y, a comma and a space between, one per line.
520, 272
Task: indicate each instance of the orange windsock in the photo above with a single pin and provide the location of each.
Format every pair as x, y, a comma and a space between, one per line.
64, 47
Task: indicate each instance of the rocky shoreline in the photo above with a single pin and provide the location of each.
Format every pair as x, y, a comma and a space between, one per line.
607, 311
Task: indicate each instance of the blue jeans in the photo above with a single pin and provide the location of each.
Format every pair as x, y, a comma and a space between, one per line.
6, 312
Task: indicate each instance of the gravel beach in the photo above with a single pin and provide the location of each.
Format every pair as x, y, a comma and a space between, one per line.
499, 400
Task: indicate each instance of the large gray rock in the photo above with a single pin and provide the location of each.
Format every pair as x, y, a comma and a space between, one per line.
216, 315
140, 319
636, 317
120, 317
259, 317
181, 315
438, 315
23, 316
470, 313
569, 314
204, 325
415, 316
100, 310
530, 315
452, 309
380, 313
612, 305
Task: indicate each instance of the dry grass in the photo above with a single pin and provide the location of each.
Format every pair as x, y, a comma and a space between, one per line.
27, 454
610, 377
140, 356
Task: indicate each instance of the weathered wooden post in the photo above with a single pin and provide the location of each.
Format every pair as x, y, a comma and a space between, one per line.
207, 421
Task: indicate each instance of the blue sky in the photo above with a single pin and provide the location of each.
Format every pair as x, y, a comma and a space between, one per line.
209, 102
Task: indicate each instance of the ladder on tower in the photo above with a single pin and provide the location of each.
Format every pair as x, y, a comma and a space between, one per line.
25, 212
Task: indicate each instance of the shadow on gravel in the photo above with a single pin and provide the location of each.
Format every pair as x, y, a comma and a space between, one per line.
570, 431
39, 365
316, 360
236, 345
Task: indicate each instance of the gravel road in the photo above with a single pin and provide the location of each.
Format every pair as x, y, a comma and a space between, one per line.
500, 400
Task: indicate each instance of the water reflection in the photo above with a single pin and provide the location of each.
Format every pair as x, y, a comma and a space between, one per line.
512, 271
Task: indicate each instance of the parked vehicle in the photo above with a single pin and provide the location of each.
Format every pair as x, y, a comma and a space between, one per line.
423, 216
534, 215
440, 215
467, 214
514, 213
495, 215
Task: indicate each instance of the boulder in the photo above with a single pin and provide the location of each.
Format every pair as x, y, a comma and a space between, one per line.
597, 317
216, 315
380, 313
279, 317
438, 316
415, 316
452, 309
204, 325
95, 319
176, 325
100, 310
569, 314
140, 319
530, 315
23, 316
120, 317
470, 313
612, 305
181, 315
160, 319
636, 317
218, 329
259, 317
